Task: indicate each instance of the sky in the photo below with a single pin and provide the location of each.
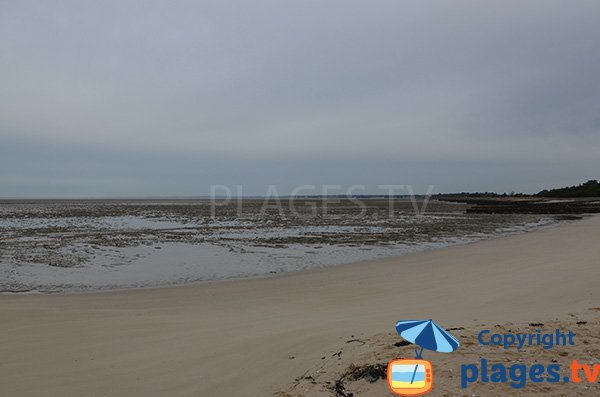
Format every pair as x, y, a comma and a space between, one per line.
168, 98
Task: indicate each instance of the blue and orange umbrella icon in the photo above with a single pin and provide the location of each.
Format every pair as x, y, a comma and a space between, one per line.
412, 377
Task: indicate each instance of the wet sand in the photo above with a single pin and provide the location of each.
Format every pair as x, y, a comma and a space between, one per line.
264, 337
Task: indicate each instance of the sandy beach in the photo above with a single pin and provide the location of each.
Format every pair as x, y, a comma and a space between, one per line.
296, 334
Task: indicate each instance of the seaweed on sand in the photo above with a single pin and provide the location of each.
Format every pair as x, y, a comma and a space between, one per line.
370, 372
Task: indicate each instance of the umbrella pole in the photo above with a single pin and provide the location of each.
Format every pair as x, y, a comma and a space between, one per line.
419, 355
414, 373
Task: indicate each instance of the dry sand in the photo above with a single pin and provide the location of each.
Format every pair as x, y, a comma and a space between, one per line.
268, 336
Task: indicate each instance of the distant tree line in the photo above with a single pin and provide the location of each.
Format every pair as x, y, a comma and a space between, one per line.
589, 189
478, 194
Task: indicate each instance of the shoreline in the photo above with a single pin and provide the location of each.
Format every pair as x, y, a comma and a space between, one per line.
184, 340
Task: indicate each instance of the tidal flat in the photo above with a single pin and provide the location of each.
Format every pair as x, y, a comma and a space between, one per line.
85, 245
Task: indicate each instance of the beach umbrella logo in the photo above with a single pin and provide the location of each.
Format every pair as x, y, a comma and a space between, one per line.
413, 377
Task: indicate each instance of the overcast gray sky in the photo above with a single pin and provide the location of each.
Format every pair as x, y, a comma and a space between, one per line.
121, 98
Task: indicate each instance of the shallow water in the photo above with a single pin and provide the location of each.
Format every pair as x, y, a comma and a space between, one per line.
82, 246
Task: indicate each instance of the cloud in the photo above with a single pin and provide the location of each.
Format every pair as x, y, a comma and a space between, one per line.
358, 84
